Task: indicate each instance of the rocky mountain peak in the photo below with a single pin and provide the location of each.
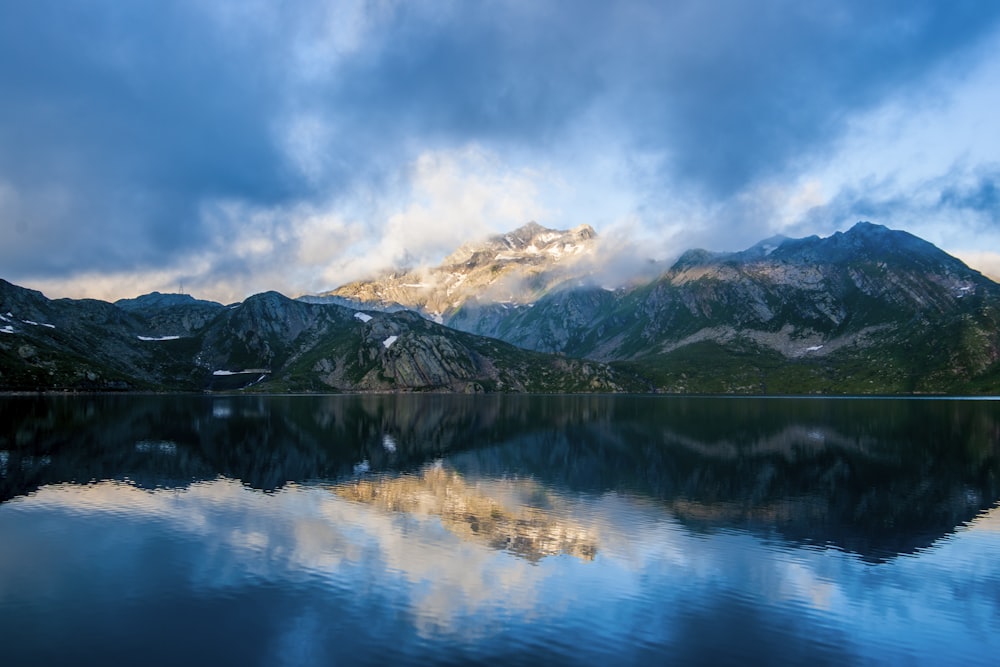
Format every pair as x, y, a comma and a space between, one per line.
513, 267
531, 243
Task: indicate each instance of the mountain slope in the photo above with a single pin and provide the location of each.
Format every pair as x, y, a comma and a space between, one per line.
869, 310
268, 342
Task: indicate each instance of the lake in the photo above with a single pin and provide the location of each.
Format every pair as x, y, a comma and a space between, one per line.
559, 530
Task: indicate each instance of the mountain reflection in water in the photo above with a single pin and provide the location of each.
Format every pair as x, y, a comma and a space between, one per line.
877, 477
529, 532
556, 530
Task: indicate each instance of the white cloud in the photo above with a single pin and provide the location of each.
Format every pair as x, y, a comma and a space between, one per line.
912, 143
464, 194
447, 197
443, 199
891, 166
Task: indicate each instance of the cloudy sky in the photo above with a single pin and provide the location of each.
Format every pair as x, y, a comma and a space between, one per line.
231, 147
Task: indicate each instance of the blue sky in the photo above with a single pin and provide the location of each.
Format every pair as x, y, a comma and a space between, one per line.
233, 147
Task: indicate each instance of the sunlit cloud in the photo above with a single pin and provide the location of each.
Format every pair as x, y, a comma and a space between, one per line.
252, 146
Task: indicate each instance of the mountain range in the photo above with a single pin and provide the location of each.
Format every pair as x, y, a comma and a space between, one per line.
869, 310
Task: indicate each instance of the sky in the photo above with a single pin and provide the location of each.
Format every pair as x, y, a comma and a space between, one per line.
225, 148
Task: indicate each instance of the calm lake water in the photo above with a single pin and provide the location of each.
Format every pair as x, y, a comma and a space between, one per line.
498, 530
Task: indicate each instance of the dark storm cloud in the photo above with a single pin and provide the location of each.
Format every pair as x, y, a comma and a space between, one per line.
982, 195
120, 121
513, 75
954, 207
727, 91
131, 114
743, 90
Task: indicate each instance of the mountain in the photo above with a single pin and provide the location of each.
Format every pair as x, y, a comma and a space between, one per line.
168, 314
269, 343
870, 310
867, 311
514, 268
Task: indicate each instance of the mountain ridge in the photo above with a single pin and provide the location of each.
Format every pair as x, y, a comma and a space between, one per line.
869, 310
268, 342
863, 295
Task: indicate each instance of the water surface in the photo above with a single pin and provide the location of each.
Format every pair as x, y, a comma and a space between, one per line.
499, 529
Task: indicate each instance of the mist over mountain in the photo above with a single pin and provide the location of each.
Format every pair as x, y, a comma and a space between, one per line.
518, 267
867, 310
870, 310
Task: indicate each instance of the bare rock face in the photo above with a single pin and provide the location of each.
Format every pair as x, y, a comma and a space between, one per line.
516, 267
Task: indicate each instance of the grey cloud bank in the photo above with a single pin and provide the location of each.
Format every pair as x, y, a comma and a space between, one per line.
245, 146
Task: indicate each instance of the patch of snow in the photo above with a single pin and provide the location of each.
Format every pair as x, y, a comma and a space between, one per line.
388, 443
437, 317
10, 314
813, 348
389, 341
7, 329
243, 372
363, 317
37, 324
415, 285
362, 468
235, 307
4, 318
158, 338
